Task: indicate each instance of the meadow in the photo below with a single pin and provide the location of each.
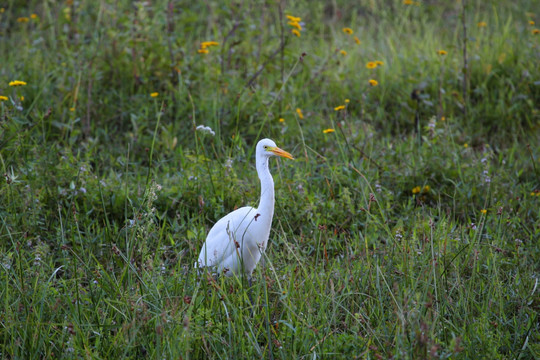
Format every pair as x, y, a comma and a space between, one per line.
407, 227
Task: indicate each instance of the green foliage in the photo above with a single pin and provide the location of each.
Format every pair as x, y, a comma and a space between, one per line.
409, 231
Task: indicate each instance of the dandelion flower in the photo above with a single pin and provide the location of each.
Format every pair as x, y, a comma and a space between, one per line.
416, 189
481, 24
34, 16
343, 52
296, 32
536, 31
483, 211
326, 131
72, 109
22, 98
207, 44
154, 94
531, 22
465, 145
202, 51
17, 83
294, 24
340, 107
299, 112
357, 40
294, 18
347, 31
347, 101
371, 65
3, 98
373, 82
23, 19
379, 63
426, 188
281, 120
442, 52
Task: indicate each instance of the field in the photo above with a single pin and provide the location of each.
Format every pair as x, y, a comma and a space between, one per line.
407, 227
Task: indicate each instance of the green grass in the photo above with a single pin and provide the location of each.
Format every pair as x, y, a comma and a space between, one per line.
410, 232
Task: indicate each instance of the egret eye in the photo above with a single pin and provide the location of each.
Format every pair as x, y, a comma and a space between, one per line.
265, 147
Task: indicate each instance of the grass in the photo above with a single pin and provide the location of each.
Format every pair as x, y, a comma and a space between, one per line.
411, 231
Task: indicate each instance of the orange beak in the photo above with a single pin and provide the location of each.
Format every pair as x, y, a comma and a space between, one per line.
282, 153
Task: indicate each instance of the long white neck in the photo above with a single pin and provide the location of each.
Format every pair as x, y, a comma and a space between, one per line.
266, 204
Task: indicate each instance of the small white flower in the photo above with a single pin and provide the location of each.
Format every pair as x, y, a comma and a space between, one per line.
206, 130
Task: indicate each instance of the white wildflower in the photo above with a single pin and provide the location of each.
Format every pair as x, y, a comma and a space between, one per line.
206, 130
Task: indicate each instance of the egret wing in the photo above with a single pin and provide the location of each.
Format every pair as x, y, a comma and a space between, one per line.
224, 238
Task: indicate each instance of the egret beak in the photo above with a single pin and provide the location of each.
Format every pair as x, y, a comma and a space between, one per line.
280, 152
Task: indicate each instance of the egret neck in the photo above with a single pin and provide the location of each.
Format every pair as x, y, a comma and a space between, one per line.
266, 204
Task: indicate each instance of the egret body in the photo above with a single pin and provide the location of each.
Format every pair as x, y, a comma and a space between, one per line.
238, 240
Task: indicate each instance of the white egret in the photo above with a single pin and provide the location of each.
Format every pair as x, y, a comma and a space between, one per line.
237, 241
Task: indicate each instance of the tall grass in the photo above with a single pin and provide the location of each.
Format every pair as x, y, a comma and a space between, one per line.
409, 231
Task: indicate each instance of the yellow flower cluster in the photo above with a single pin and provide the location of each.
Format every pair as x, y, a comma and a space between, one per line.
294, 22
373, 82
347, 31
417, 189
3, 98
205, 45
326, 131
154, 94
299, 112
23, 19
374, 64
17, 83
442, 52
481, 24
340, 107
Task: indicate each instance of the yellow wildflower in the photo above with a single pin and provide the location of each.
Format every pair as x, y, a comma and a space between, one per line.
281, 120
531, 22
347, 31
443, 118
373, 82
326, 131
2, 10
202, 51
408, 2
22, 98
72, 109
22, 19
34, 16
299, 112
536, 31
294, 24
154, 94
416, 189
347, 101
343, 52
483, 211
465, 145
371, 65
293, 18
17, 83
379, 63
357, 40
442, 52
340, 107
482, 24
296, 32
3, 98
207, 44
426, 188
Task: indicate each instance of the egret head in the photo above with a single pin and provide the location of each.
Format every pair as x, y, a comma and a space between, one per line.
267, 148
